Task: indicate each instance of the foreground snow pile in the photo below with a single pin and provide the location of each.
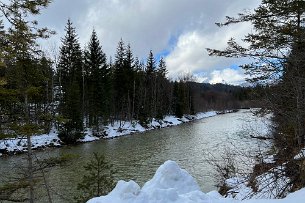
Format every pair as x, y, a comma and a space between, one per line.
171, 184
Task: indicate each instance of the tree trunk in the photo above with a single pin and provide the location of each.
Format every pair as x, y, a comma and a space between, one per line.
30, 169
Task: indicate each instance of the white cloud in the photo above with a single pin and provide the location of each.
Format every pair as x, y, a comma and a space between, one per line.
228, 75
190, 52
153, 24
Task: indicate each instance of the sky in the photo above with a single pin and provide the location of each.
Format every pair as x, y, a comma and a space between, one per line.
178, 30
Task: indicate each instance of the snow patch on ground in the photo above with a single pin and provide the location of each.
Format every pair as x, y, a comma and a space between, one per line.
268, 185
300, 155
171, 184
14, 145
89, 137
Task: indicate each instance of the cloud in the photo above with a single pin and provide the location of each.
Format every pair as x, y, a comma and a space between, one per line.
181, 29
228, 75
190, 53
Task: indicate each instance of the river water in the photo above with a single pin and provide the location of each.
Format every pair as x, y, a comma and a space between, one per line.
137, 156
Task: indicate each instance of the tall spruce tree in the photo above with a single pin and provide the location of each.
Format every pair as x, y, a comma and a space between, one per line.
130, 84
97, 77
119, 82
151, 85
70, 76
162, 93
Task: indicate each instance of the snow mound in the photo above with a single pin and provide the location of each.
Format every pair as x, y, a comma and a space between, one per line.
170, 175
171, 184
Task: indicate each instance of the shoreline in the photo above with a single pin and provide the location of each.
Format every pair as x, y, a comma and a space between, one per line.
15, 146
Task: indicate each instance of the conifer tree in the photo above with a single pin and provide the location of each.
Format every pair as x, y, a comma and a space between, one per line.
162, 71
70, 72
162, 90
150, 64
130, 84
20, 54
119, 82
97, 75
98, 181
151, 85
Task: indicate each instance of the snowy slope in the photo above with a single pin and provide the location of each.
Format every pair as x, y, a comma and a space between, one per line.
171, 184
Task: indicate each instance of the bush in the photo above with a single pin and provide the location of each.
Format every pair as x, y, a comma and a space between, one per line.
69, 135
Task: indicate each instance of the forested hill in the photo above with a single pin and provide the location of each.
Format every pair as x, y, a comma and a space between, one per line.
221, 96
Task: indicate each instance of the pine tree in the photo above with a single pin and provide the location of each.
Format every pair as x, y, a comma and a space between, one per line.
98, 181
119, 82
150, 64
151, 85
162, 90
20, 54
162, 71
97, 75
130, 84
70, 72
277, 24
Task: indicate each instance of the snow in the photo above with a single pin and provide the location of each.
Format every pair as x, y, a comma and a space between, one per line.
171, 184
89, 137
300, 155
269, 185
268, 159
38, 141
118, 129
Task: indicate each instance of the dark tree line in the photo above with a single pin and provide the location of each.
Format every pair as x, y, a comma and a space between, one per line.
94, 91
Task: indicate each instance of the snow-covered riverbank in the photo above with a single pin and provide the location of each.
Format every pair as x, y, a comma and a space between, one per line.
171, 184
19, 145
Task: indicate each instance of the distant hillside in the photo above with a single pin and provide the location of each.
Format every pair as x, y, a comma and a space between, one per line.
220, 96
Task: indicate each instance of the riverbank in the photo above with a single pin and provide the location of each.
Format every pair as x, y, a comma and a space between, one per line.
18, 145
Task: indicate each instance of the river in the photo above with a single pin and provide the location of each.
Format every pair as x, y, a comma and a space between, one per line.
138, 156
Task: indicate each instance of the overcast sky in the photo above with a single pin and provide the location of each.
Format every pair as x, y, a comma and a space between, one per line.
180, 30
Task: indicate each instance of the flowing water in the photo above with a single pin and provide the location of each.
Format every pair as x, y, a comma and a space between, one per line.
136, 157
